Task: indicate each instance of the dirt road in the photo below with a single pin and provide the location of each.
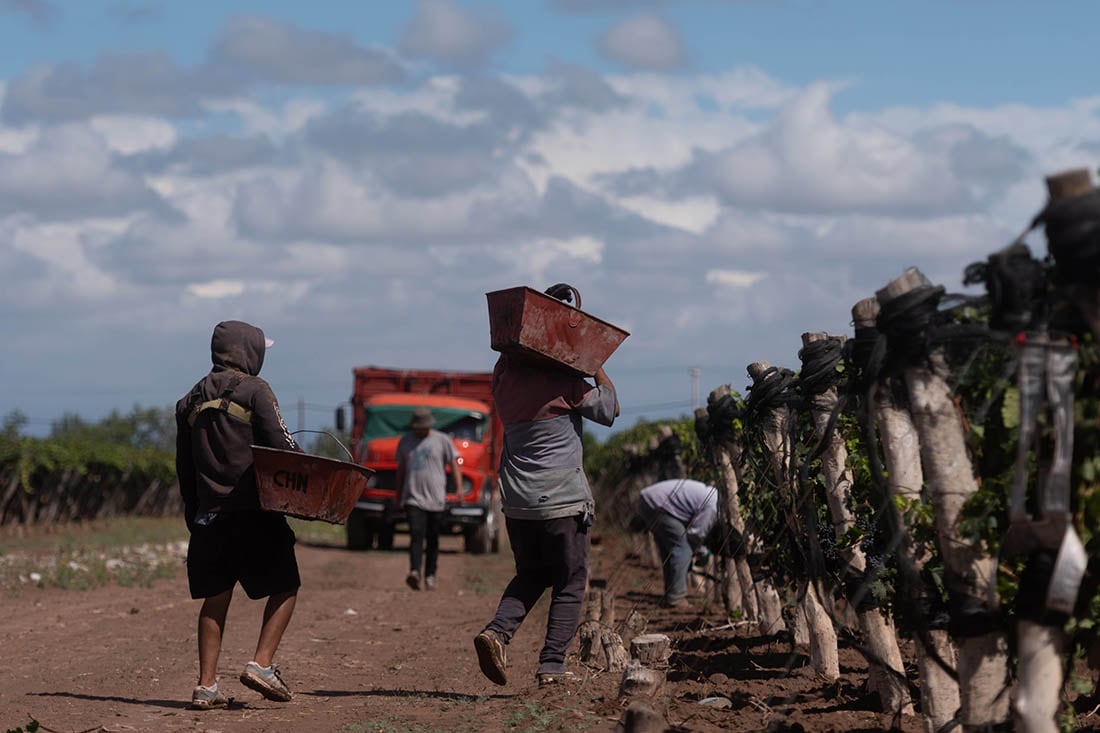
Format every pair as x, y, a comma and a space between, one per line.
365, 653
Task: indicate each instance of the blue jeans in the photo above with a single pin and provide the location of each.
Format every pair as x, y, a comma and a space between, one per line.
670, 534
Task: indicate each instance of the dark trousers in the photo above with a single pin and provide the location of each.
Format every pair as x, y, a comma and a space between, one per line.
670, 534
549, 553
423, 531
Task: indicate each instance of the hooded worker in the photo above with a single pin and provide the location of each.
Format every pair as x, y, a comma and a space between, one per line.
232, 539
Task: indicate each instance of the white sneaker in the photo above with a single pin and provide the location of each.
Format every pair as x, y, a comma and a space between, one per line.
265, 680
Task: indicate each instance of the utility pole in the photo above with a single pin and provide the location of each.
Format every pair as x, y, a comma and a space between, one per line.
694, 372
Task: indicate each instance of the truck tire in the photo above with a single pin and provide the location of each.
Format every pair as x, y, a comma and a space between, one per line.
478, 538
496, 521
360, 531
386, 531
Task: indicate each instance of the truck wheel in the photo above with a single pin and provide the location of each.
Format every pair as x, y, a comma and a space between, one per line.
360, 533
385, 536
496, 525
479, 539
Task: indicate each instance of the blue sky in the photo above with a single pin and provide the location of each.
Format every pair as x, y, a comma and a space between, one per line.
717, 176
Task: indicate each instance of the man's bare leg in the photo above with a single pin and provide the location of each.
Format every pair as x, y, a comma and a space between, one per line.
277, 613
211, 627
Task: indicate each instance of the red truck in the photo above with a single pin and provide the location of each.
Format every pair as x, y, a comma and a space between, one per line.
462, 405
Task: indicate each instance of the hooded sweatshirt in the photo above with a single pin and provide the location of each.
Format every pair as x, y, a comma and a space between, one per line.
219, 420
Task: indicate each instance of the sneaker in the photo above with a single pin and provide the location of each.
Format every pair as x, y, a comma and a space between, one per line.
205, 698
429, 582
265, 680
550, 673
491, 656
413, 580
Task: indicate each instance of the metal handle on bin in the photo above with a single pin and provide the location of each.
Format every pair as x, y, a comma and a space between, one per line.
338, 441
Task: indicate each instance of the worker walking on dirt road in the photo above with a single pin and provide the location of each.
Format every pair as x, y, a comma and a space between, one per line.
232, 539
547, 503
422, 458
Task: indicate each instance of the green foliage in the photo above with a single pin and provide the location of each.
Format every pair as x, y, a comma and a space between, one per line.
83, 468
13, 424
82, 454
541, 715
153, 427
328, 442
32, 727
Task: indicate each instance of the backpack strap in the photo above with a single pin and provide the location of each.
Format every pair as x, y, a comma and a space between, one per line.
223, 403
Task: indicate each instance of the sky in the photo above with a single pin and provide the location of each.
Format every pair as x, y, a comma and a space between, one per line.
717, 177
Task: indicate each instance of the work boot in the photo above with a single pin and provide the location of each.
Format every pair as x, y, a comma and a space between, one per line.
265, 680
206, 698
413, 580
492, 656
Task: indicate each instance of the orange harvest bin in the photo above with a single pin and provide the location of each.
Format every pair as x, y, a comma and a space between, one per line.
307, 486
524, 321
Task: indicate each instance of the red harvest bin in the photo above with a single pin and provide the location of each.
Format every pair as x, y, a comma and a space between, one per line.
307, 486
524, 321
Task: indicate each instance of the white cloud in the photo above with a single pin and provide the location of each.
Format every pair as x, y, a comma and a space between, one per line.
734, 278
275, 51
128, 135
644, 41
808, 161
68, 274
69, 172
444, 31
695, 215
275, 121
217, 289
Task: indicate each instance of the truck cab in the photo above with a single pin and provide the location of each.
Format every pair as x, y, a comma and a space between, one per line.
461, 405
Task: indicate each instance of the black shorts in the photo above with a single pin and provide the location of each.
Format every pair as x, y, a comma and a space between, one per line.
253, 548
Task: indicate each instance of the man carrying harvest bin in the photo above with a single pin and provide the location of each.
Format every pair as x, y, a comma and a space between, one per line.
546, 500
232, 540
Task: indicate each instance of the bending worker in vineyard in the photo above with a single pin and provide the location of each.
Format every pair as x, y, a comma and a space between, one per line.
547, 503
680, 513
232, 540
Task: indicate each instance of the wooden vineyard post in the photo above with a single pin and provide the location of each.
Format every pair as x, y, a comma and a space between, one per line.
971, 574
1041, 637
737, 588
901, 452
887, 675
776, 420
644, 675
599, 643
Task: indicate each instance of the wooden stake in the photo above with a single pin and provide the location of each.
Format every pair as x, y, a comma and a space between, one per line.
901, 454
640, 718
887, 678
775, 423
736, 591
613, 649
983, 660
1068, 184
652, 650
639, 681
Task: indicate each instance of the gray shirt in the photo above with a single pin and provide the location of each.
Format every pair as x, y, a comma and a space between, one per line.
541, 474
692, 502
424, 460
